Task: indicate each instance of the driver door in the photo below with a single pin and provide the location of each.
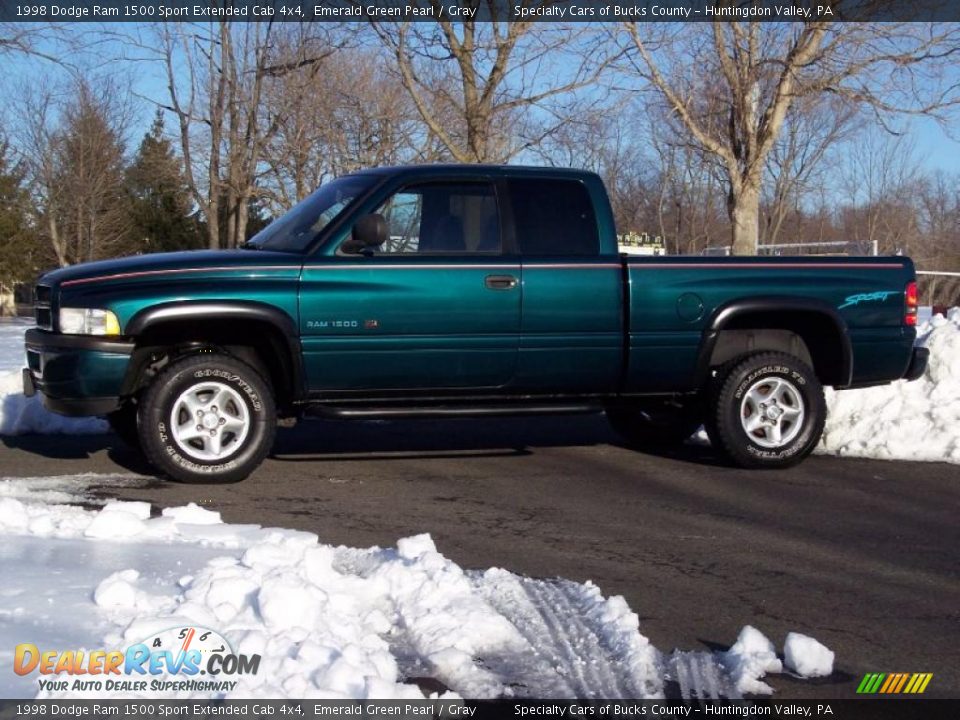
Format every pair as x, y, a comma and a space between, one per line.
436, 307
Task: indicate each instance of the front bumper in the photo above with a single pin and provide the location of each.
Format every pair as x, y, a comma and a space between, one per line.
918, 363
76, 375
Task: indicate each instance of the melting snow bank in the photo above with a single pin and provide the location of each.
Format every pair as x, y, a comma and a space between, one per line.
72, 489
20, 415
326, 622
916, 420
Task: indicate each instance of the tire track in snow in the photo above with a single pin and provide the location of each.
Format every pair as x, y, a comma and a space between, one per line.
700, 676
562, 633
578, 647
537, 672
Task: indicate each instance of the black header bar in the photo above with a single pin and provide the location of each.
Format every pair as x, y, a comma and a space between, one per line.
566, 11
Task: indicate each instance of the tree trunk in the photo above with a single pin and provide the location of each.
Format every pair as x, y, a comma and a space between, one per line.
58, 246
243, 216
230, 241
213, 225
745, 220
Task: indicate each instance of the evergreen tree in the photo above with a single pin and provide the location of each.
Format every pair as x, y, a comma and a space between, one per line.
20, 250
161, 206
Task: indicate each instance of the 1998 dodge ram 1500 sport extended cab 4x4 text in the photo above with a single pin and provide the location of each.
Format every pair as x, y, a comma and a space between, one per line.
462, 290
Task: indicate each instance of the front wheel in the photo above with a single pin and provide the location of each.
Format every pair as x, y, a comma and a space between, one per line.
769, 412
207, 418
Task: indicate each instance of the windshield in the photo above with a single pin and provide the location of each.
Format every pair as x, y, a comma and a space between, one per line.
295, 230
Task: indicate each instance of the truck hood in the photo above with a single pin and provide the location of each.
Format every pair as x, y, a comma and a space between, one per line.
174, 262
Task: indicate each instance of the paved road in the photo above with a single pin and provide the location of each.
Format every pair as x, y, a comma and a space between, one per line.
863, 555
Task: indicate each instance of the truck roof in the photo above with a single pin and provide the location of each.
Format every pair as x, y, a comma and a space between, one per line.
477, 169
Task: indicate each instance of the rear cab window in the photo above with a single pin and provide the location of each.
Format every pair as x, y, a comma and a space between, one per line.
553, 217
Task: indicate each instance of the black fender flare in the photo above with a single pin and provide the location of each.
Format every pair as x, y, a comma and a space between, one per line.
725, 314
226, 310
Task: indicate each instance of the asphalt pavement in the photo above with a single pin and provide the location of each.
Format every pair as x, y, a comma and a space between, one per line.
863, 555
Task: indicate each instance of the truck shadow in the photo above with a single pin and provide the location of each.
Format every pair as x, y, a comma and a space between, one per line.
316, 440
345, 441
80, 447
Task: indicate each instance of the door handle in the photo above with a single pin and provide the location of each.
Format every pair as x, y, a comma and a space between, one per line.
500, 282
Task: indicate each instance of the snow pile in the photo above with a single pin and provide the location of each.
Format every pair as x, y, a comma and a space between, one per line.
905, 420
806, 656
327, 622
20, 415
330, 622
11, 342
751, 657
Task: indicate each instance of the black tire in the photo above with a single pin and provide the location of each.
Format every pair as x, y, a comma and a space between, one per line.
654, 424
123, 422
241, 432
769, 411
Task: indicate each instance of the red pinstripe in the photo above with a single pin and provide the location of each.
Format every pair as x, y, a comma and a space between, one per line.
531, 266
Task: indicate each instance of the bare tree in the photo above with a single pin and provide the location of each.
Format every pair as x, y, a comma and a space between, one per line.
939, 249
798, 160
880, 178
731, 85
346, 112
489, 90
218, 78
37, 141
38, 39
690, 213
74, 147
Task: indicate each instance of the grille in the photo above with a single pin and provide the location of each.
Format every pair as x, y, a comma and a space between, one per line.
42, 296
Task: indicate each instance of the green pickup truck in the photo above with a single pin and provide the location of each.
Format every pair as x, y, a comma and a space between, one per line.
463, 291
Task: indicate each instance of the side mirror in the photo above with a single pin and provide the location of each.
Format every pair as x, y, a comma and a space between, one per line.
369, 233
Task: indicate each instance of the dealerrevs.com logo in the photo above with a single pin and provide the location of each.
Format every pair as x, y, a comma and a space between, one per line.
184, 659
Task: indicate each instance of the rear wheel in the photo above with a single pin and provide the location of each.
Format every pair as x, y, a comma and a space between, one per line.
655, 423
769, 411
207, 418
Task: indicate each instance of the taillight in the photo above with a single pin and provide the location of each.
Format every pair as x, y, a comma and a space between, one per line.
910, 311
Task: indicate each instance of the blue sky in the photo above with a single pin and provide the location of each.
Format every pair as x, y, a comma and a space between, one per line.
935, 148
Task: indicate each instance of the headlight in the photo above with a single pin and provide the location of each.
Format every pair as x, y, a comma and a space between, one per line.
88, 321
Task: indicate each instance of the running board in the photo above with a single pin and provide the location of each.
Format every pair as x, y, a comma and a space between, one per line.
443, 411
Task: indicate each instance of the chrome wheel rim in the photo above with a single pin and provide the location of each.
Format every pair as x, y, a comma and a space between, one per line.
209, 422
772, 412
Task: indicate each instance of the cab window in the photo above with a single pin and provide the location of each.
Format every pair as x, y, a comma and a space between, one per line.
442, 219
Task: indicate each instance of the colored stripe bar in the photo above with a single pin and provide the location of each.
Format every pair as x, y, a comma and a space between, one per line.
894, 683
900, 682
